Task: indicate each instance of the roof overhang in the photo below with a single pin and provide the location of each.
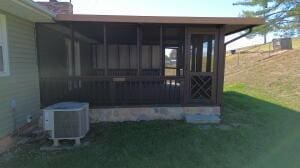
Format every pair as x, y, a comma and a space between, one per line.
27, 9
232, 24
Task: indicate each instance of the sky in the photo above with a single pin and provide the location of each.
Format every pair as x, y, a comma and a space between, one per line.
201, 8
157, 7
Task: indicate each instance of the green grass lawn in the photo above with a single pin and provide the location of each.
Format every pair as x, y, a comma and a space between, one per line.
264, 134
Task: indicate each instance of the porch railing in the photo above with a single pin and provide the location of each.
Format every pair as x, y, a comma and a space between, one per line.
113, 91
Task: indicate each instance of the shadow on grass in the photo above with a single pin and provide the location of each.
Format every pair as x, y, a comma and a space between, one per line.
264, 135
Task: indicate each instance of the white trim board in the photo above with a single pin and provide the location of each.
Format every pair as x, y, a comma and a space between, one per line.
4, 44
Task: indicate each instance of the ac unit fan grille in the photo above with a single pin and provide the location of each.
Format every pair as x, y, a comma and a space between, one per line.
66, 124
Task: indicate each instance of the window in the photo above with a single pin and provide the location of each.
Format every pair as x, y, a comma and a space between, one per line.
173, 44
171, 55
4, 67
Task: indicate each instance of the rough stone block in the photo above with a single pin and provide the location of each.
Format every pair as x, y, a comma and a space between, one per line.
201, 119
148, 113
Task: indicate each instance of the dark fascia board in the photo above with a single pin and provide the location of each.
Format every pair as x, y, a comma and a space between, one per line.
161, 19
237, 24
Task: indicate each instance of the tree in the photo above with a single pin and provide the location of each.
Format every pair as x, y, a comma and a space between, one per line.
281, 16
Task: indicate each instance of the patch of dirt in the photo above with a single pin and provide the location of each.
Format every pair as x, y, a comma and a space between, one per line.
6, 143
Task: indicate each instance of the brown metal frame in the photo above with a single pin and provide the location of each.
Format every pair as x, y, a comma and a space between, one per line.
221, 65
208, 31
217, 73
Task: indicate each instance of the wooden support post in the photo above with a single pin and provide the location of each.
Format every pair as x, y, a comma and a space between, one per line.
119, 57
209, 55
192, 55
162, 52
199, 55
96, 55
139, 55
105, 50
187, 70
220, 65
178, 59
73, 49
90, 68
129, 57
151, 55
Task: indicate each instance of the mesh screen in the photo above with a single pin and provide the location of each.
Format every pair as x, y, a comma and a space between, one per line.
66, 124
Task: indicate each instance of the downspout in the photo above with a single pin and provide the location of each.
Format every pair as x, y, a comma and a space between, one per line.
241, 36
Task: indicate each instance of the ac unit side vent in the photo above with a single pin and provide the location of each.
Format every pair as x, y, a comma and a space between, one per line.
84, 125
67, 120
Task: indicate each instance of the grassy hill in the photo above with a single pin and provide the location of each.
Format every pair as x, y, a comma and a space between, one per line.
274, 72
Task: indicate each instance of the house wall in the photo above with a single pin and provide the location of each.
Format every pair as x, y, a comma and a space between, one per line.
22, 84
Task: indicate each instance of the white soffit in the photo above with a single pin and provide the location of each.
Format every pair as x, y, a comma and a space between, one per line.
27, 9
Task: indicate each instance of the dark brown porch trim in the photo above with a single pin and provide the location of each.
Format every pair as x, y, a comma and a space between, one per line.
220, 65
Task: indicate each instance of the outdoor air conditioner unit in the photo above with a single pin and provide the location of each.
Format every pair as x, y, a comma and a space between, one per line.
67, 120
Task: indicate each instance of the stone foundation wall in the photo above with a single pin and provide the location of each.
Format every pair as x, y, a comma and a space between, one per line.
148, 113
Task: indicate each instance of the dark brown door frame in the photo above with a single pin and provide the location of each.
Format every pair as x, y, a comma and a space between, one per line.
220, 44
203, 31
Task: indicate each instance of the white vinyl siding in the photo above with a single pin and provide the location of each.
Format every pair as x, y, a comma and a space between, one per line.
22, 83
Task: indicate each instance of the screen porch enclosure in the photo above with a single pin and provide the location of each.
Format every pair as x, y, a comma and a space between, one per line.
130, 64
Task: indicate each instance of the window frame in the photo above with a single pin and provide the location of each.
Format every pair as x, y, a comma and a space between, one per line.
3, 43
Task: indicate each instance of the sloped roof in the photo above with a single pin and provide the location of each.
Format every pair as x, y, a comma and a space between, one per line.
232, 24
